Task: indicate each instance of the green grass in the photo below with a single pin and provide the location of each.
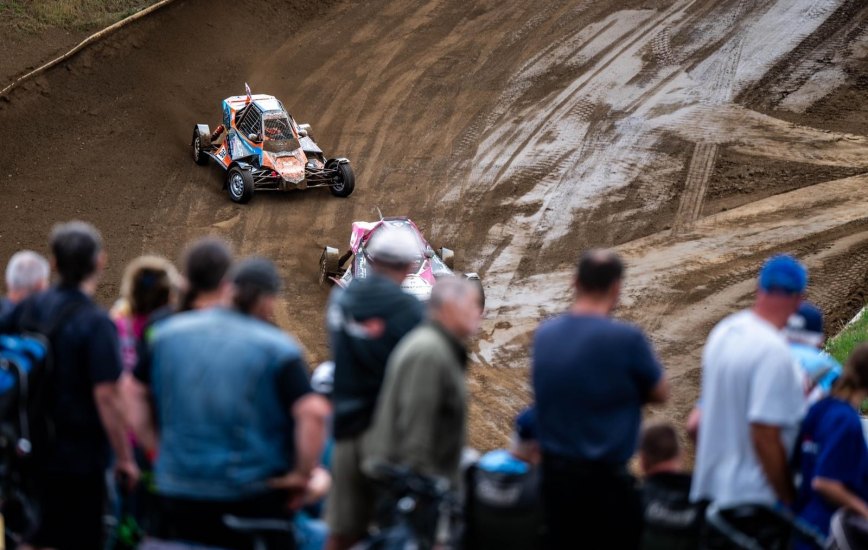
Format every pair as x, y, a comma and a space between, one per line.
843, 344
36, 15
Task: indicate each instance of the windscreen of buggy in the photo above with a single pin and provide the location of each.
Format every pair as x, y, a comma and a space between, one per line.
277, 136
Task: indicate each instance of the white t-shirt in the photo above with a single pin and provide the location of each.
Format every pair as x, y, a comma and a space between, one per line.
748, 376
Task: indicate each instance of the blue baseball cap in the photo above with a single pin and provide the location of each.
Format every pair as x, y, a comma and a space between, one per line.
525, 424
783, 274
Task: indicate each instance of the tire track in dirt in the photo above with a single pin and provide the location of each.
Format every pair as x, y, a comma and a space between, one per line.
698, 174
429, 100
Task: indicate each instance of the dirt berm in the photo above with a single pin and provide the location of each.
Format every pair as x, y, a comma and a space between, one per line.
698, 136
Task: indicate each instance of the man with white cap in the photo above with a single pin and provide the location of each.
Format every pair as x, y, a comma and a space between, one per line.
365, 322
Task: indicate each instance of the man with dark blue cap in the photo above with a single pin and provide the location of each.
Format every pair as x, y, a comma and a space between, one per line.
805, 333
503, 508
752, 398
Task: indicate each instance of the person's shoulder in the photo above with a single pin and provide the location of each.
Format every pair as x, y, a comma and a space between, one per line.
672, 481
180, 323
842, 415
423, 336
555, 324
625, 328
733, 319
269, 336
424, 341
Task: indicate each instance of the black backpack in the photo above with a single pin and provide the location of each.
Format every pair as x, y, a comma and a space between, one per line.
26, 424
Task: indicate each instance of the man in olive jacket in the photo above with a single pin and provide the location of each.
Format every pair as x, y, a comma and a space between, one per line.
421, 415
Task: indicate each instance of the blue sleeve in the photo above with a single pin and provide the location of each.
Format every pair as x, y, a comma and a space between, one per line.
644, 365
844, 445
103, 351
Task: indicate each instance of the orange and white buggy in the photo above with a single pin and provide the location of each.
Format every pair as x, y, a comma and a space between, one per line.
262, 148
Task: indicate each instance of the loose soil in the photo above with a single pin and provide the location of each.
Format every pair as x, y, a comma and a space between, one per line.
515, 133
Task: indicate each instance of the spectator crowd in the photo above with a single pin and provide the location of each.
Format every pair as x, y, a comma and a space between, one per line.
183, 417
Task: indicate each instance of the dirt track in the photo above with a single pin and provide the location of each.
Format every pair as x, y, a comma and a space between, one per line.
696, 135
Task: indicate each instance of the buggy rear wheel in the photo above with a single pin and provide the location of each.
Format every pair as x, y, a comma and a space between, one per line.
328, 265
201, 140
344, 181
239, 183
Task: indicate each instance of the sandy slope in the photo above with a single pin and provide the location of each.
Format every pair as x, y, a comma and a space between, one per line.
516, 133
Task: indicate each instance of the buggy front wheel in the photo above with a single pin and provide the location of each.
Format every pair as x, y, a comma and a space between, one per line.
239, 183
344, 181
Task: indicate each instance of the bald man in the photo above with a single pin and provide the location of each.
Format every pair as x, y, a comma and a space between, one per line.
421, 413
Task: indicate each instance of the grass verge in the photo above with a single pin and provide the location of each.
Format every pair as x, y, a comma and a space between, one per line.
853, 334
35, 15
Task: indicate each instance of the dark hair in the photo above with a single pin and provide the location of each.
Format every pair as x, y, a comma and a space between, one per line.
149, 283
598, 270
254, 278
855, 376
247, 295
76, 246
659, 443
205, 265
151, 291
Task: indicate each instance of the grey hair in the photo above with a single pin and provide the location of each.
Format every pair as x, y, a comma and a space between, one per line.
449, 289
26, 271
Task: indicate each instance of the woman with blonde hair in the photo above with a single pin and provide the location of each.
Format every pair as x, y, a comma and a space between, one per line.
832, 450
149, 283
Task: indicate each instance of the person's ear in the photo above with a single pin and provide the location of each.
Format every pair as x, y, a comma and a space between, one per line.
101, 260
615, 293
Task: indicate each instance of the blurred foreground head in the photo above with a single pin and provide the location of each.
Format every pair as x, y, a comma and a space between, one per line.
392, 252
205, 264
149, 283
659, 449
257, 284
805, 326
598, 277
26, 273
853, 383
782, 283
456, 304
78, 252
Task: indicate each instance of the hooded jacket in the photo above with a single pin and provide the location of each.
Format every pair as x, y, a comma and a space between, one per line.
365, 321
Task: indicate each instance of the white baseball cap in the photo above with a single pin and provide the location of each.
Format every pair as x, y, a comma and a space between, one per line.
393, 245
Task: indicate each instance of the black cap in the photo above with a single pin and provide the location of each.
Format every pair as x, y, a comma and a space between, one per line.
259, 273
525, 424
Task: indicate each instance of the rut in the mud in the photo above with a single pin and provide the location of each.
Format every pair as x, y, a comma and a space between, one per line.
514, 133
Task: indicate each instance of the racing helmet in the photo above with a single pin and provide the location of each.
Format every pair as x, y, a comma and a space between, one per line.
393, 245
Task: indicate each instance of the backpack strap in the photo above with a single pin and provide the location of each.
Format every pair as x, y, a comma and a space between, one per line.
33, 399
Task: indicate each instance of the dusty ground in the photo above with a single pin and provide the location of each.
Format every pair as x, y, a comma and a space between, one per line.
698, 136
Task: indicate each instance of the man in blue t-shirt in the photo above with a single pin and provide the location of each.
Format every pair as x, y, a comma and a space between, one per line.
81, 401
591, 377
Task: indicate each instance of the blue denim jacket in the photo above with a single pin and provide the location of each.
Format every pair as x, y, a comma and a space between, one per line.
224, 430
